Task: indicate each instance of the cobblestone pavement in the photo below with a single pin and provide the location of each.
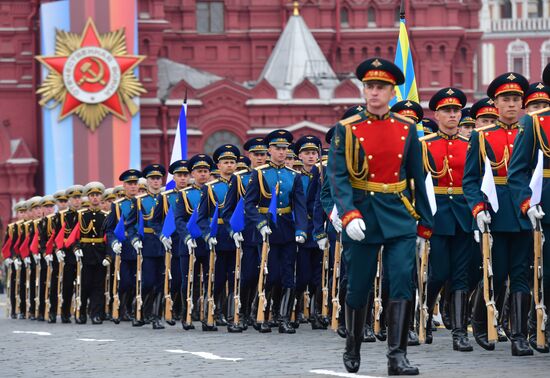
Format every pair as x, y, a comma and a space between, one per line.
37, 349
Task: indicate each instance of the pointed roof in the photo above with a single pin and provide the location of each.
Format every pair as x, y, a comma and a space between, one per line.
297, 57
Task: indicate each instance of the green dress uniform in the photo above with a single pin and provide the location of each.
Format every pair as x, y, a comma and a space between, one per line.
371, 180
510, 232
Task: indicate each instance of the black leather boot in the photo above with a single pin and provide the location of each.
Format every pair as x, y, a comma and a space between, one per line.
444, 306
157, 311
382, 335
218, 311
355, 323
341, 331
398, 326
264, 326
287, 302
276, 297
315, 309
184, 306
232, 327
368, 335
429, 329
244, 310
146, 310
431, 299
532, 329
519, 307
412, 337
459, 304
503, 307
300, 318
479, 319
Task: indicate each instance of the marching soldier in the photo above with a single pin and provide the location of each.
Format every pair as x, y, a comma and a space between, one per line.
290, 227
212, 196
30, 226
531, 141
370, 186
19, 279
537, 97
120, 192
125, 248
466, 124
429, 126
452, 242
484, 112
45, 229
510, 233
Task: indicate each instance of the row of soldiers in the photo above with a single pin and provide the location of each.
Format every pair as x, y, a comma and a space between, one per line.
293, 233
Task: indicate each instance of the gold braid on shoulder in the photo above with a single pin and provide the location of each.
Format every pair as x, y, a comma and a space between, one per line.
352, 157
538, 136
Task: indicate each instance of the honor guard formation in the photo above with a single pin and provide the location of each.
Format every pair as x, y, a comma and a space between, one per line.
371, 237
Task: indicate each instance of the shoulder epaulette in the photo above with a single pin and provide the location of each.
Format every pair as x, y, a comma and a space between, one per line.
403, 118
80, 211
349, 120
50, 216
36, 221
483, 128
105, 212
293, 170
119, 200
20, 222
427, 137
63, 211
241, 172
168, 192
463, 138
142, 195
262, 167
210, 183
538, 111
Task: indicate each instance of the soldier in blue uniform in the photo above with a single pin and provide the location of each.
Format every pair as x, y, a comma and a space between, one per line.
452, 242
189, 198
370, 186
291, 224
149, 206
310, 257
248, 239
122, 207
511, 233
213, 194
533, 137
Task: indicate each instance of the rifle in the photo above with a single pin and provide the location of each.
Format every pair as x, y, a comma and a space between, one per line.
190, 281
47, 290
28, 290
538, 290
78, 288
60, 287
107, 292
37, 272
262, 301
168, 302
139, 301
237, 284
307, 301
201, 295
336, 283
324, 282
116, 299
17, 289
488, 291
422, 276
8, 291
210, 289
378, 308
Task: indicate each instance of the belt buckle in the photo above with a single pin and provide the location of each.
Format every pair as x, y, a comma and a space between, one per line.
385, 188
450, 190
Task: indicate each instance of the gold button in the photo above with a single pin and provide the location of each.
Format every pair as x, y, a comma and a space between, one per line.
450, 143
542, 118
450, 156
509, 133
450, 169
372, 193
486, 134
372, 175
406, 127
450, 197
399, 156
402, 138
361, 139
370, 157
395, 173
392, 120
369, 122
429, 143
354, 128
449, 190
93, 220
93, 243
511, 145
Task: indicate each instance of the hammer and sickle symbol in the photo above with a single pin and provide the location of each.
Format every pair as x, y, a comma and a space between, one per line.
91, 76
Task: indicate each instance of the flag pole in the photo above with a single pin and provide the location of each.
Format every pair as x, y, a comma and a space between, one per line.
402, 10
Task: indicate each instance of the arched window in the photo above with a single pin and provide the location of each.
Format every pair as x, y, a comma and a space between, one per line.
371, 17
218, 138
429, 51
352, 54
344, 17
506, 9
442, 52
545, 54
338, 54
391, 54
378, 51
535, 9
518, 57
364, 52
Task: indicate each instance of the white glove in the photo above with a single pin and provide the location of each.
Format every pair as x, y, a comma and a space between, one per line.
8, 261
238, 238
117, 247
78, 253
419, 241
48, 258
337, 223
300, 239
477, 236
322, 243
27, 261
37, 258
483, 220
105, 262
60, 255
212, 242
535, 214
166, 242
355, 229
17, 264
265, 231
191, 244
138, 245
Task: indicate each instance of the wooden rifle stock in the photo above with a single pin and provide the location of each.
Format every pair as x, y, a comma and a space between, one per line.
237, 284
28, 291
37, 273
116, 280
168, 302
422, 275
336, 284
60, 287
139, 301
324, 281
17, 289
8, 291
538, 291
190, 281
488, 292
107, 287
78, 287
262, 301
210, 288
378, 292
47, 302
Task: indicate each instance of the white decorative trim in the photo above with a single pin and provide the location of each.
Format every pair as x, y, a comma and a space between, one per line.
519, 49
544, 54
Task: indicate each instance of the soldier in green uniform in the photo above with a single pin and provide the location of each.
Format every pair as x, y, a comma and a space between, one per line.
370, 185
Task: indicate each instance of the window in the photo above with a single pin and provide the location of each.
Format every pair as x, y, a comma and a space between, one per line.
371, 17
545, 54
506, 9
209, 17
344, 18
518, 57
218, 138
534, 9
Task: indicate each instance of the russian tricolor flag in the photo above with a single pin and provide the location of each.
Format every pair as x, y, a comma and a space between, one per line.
179, 150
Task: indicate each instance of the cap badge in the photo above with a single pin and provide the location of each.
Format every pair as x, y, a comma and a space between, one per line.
408, 104
376, 63
511, 77
540, 86
450, 92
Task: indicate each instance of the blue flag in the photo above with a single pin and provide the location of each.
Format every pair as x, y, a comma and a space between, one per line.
193, 227
119, 229
272, 210
214, 222
141, 226
179, 149
237, 219
169, 224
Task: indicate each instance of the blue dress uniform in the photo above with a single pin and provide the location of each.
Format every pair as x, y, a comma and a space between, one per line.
250, 261
291, 223
452, 242
169, 199
370, 180
122, 207
310, 258
213, 194
188, 201
533, 137
511, 236
151, 208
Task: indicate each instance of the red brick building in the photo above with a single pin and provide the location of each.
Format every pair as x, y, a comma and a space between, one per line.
239, 83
